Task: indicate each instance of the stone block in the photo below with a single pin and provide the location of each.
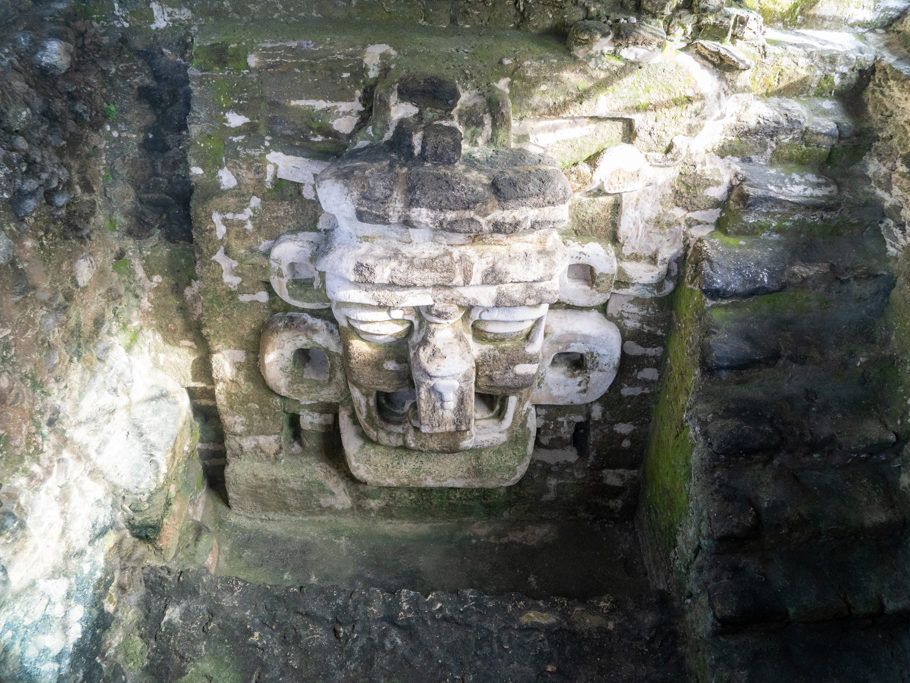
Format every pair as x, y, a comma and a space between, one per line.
571, 140
441, 144
594, 216
739, 593
429, 92
291, 486
740, 267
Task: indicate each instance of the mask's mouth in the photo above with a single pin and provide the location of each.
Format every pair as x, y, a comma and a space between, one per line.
393, 407
396, 411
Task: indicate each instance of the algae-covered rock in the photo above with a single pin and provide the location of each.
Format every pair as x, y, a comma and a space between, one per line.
800, 63
589, 37
767, 196
886, 99
722, 56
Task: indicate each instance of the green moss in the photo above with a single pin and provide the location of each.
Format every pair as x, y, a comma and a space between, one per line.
283, 189
134, 652
175, 263
897, 318
110, 224
218, 666
471, 56
740, 147
737, 223
790, 302
801, 156
93, 11
221, 93
825, 86
570, 152
129, 338
778, 12
111, 112
122, 267
221, 57
669, 453
848, 155
210, 152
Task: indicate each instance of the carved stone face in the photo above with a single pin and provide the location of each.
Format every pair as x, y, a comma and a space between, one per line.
440, 272
443, 376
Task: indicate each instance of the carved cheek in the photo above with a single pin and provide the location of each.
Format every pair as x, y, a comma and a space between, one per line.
506, 368
375, 366
509, 366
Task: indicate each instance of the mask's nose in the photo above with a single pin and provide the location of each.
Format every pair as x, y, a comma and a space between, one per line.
443, 369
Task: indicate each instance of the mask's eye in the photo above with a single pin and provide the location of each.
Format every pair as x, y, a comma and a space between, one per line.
381, 331
502, 330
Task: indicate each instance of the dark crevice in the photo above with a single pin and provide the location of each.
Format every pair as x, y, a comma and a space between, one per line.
160, 172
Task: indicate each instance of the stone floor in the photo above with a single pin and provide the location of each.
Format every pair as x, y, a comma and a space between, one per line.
361, 599
576, 558
225, 629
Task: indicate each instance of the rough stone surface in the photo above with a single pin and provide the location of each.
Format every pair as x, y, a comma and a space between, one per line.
429, 92
741, 269
96, 344
722, 56
885, 99
194, 624
54, 57
589, 37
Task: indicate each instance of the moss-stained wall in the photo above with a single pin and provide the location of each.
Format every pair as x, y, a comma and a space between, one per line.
668, 459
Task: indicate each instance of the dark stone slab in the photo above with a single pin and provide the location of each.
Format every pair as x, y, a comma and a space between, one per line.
741, 435
441, 144
535, 187
739, 594
737, 349
727, 269
843, 650
430, 92
443, 189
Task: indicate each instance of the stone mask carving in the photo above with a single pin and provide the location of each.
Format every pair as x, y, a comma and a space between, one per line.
440, 268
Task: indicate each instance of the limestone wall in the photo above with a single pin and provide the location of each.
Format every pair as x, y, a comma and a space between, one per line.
97, 342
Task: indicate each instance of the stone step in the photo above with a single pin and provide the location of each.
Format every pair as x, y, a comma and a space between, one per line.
784, 130
751, 509
809, 62
745, 266
852, 577
578, 558
870, 649
783, 200
802, 416
797, 326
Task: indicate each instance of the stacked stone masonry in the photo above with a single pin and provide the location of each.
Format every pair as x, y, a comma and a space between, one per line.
429, 226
